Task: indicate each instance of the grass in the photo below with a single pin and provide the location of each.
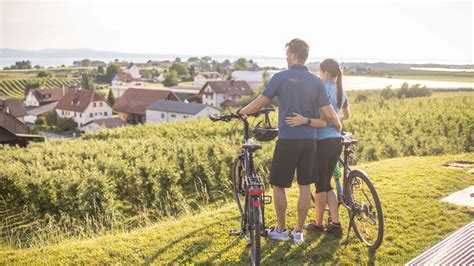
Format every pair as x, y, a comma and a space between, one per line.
409, 189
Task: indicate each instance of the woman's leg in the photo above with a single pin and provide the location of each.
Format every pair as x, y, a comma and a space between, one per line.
320, 201
331, 194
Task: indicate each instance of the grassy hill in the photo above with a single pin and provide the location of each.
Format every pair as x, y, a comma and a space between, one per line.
409, 188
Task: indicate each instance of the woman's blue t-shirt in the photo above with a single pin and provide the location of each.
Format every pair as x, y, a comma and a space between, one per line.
330, 131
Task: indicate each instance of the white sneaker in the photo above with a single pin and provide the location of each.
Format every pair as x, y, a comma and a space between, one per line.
297, 236
272, 232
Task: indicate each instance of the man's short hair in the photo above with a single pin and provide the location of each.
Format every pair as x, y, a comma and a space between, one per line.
298, 47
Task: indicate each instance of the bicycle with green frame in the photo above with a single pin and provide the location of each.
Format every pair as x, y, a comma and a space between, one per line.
358, 195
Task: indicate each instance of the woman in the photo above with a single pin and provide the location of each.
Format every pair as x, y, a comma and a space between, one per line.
329, 147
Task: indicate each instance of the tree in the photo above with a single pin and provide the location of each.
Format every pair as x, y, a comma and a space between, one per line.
101, 70
110, 98
40, 122
51, 118
112, 70
180, 68
171, 79
33, 84
86, 82
86, 62
20, 65
241, 64
44, 74
177, 60
66, 124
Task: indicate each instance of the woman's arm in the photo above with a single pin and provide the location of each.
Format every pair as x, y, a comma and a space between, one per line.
346, 114
298, 120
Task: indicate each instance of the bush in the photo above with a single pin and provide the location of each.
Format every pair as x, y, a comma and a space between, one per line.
65, 124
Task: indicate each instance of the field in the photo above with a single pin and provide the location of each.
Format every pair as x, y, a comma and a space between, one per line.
61, 195
415, 74
409, 189
16, 87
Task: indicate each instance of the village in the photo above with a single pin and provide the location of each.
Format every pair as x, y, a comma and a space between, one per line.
135, 95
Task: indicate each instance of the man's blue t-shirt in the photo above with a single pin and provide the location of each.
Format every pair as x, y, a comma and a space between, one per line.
299, 91
330, 131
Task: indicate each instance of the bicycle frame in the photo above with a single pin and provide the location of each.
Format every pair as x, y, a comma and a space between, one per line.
254, 186
343, 160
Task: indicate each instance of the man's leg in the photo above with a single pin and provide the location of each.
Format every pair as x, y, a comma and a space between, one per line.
304, 203
279, 199
320, 205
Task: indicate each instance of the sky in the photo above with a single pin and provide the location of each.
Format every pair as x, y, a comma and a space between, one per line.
396, 31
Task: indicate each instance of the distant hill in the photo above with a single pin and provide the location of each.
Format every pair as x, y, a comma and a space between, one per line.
68, 53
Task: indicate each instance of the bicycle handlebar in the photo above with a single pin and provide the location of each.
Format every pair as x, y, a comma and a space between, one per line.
227, 118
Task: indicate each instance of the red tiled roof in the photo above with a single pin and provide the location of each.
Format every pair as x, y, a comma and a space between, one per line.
135, 100
229, 87
78, 100
124, 77
44, 96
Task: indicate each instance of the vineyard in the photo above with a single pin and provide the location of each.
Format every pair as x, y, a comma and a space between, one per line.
167, 170
16, 87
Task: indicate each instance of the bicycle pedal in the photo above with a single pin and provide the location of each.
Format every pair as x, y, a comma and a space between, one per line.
234, 232
267, 199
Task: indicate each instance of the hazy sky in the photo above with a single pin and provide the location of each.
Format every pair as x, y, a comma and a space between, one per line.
402, 31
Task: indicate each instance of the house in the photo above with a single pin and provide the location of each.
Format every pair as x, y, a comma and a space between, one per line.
168, 111
132, 105
83, 106
104, 123
214, 93
133, 70
33, 112
203, 77
121, 82
39, 97
12, 130
14, 108
122, 79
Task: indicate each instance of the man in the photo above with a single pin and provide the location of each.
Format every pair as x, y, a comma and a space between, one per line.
298, 91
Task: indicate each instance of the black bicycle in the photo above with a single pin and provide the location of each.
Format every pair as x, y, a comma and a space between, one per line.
248, 187
359, 197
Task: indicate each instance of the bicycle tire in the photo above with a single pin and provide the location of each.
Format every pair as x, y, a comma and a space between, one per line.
255, 235
352, 180
236, 180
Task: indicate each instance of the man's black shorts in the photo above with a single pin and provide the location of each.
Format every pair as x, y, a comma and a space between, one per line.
291, 154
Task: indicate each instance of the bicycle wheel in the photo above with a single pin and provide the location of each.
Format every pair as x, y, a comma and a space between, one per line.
255, 234
236, 177
365, 203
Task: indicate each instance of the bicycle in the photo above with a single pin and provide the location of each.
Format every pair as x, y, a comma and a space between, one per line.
364, 212
248, 187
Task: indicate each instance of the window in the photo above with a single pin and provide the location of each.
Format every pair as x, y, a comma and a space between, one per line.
101, 104
80, 115
173, 116
62, 112
91, 115
105, 113
74, 114
94, 105
100, 113
162, 115
185, 116
96, 114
